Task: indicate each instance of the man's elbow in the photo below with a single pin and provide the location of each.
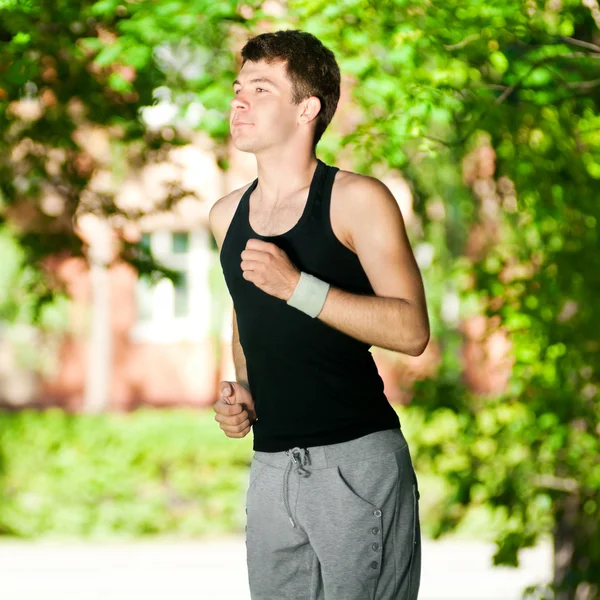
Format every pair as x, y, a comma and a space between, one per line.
418, 329
419, 345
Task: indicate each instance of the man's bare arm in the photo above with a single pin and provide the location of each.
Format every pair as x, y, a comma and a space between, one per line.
396, 317
384, 322
239, 359
219, 219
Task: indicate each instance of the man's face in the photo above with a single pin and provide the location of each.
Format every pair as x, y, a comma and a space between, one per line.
262, 113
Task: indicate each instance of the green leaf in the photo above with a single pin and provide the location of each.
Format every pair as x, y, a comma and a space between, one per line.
499, 61
109, 54
119, 84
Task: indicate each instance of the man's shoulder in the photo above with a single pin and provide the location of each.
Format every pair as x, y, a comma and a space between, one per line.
231, 198
354, 197
222, 211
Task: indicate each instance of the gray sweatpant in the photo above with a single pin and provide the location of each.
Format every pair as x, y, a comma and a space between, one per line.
335, 522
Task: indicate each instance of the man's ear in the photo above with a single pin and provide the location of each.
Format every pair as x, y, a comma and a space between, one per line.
310, 109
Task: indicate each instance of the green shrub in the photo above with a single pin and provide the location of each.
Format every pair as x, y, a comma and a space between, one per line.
129, 474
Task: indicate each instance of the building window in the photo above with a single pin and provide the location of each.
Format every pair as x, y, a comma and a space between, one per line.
171, 311
180, 242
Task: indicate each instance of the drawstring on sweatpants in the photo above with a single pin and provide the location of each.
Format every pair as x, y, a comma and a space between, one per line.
299, 457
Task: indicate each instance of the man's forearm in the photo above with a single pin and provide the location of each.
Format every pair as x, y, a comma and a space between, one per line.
239, 361
390, 323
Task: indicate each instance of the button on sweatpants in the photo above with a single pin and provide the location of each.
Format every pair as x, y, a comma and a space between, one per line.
335, 522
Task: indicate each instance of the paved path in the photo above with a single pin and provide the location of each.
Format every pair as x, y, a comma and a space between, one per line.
215, 569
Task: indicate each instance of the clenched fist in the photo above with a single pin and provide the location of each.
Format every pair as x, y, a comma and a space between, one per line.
235, 409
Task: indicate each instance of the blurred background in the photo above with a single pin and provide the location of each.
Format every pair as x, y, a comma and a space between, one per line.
115, 321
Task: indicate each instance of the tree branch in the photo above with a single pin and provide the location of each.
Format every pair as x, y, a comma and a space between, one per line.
585, 85
552, 482
580, 43
537, 64
508, 91
463, 43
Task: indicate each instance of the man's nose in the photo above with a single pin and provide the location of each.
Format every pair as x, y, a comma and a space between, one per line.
239, 102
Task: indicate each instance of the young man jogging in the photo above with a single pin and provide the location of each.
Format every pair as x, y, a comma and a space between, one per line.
319, 267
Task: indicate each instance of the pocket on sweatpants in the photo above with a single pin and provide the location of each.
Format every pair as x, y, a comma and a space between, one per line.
363, 478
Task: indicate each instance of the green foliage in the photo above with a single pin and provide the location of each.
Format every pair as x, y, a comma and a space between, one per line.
73, 64
23, 293
143, 473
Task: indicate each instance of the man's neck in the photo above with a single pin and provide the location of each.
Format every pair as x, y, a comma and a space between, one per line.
280, 177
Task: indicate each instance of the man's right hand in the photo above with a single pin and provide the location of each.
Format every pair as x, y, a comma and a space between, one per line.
235, 409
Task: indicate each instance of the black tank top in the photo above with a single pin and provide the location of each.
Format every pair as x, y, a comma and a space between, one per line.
312, 385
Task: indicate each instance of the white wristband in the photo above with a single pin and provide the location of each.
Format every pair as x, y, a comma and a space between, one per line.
309, 295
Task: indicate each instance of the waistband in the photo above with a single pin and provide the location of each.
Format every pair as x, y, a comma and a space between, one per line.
331, 455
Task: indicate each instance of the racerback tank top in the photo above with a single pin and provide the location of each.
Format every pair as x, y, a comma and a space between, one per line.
312, 385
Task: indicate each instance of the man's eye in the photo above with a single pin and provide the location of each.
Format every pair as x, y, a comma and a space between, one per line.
261, 89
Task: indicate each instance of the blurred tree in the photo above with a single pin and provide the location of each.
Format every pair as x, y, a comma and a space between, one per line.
86, 89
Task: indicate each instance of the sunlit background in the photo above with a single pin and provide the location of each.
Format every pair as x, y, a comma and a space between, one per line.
115, 321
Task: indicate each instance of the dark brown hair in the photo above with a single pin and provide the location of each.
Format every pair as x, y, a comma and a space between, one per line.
311, 67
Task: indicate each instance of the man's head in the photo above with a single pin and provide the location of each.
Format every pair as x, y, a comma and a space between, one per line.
302, 69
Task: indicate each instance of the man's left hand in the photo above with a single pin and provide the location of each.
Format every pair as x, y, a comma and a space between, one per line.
268, 267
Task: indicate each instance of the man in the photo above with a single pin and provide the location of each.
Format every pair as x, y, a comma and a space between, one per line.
319, 267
